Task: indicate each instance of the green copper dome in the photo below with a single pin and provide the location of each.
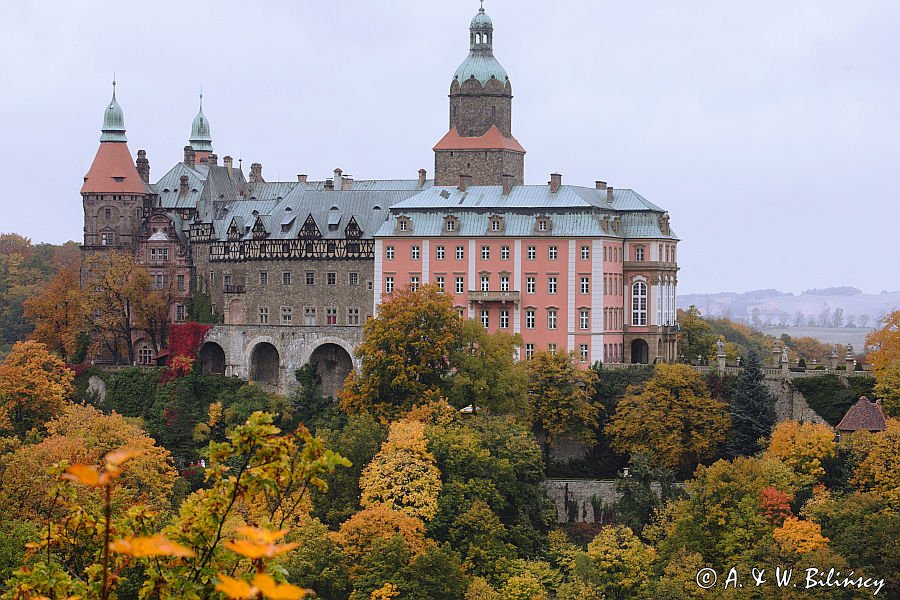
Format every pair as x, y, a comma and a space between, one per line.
113, 121
200, 138
481, 64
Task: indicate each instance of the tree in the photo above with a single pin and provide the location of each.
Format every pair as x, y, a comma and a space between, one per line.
486, 374
696, 338
673, 416
883, 347
559, 397
752, 410
804, 447
404, 354
879, 471
637, 498
616, 563
403, 475
34, 386
318, 562
800, 536
359, 533
58, 314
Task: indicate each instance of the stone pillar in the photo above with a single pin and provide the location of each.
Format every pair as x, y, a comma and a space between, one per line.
785, 363
848, 360
720, 362
775, 355
833, 359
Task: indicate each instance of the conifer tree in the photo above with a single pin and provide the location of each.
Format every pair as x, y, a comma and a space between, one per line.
752, 410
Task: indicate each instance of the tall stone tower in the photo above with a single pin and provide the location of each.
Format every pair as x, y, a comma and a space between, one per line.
114, 193
480, 141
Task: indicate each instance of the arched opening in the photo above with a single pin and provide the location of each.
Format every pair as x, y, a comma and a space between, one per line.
640, 352
333, 364
212, 359
264, 364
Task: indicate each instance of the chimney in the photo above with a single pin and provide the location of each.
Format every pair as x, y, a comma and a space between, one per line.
143, 166
214, 159
422, 174
338, 177
464, 182
204, 159
189, 156
228, 162
507, 183
555, 182
329, 185
302, 178
601, 185
609, 195
256, 173
346, 182
183, 185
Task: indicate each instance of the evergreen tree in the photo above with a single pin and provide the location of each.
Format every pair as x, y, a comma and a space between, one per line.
752, 410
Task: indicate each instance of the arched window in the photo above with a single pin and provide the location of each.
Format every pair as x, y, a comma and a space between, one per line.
639, 303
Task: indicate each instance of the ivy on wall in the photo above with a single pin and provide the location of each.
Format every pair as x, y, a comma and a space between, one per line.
831, 396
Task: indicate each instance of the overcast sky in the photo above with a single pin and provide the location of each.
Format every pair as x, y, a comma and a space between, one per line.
769, 130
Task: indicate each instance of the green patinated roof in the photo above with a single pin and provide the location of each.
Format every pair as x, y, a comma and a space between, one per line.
200, 137
481, 20
481, 64
113, 121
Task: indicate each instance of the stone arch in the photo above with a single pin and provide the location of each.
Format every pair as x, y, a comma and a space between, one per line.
265, 364
333, 363
640, 352
212, 359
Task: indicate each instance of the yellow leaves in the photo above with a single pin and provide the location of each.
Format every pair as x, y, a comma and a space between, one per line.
879, 471
263, 585
385, 592
91, 476
800, 537
157, 545
34, 386
116, 458
803, 447
260, 543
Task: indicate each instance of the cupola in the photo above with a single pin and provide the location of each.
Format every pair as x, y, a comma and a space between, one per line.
113, 121
200, 138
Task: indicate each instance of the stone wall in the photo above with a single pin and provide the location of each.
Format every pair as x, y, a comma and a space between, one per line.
485, 166
584, 500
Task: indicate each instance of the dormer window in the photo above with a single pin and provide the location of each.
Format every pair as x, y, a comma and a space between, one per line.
404, 224
543, 224
451, 224
496, 224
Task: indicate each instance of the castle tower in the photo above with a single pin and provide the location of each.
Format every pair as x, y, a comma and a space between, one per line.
480, 142
114, 193
201, 142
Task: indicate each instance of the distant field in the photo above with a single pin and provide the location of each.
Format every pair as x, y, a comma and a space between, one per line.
827, 335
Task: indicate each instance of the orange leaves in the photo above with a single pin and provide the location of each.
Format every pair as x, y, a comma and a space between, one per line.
260, 543
799, 536
91, 475
774, 505
263, 586
157, 545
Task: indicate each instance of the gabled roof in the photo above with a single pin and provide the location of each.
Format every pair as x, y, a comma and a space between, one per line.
113, 172
491, 140
865, 415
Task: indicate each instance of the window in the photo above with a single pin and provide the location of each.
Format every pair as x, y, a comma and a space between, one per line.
388, 284
585, 285
551, 318
287, 315
639, 303
179, 312
309, 315
504, 283
529, 318
551, 348
583, 352
543, 225
485, 253
530, 285
485, 319
263, 278
504, 252
107, 238
158, 281
529, 351
353, 278
159, 254
451, 225
552, 252
439, 253
439, 280
226, 280
460, 253
180, 280
145, 354
485, 283
639, 254
531, 253
551, 285
495, 224
414, 252
352, 316
504, 319
263, 315
584, 318
388, 253
107, 213
414, 283
310, 278
331, 278
460, 312
330, 315
286, 278
369, 285
459, 285
585, 253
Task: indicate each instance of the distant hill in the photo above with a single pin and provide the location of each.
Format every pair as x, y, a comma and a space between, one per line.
829, 307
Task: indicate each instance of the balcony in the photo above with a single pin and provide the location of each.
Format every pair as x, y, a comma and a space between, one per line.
234, 289
494, 296
649, 265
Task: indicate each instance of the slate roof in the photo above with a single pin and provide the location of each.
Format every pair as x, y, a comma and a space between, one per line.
865, 415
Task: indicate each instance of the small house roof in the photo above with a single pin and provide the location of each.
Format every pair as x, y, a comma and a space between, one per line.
865, 415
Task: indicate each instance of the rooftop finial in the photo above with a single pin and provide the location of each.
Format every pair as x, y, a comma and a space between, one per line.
482, 6
201, 98
114, 85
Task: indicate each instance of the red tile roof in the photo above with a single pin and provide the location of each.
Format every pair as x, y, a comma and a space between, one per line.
113, 172
491, 140
864, 415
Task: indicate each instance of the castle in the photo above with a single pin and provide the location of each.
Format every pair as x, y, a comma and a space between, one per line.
294, 268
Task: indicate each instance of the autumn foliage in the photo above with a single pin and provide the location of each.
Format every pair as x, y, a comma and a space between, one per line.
34, 386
